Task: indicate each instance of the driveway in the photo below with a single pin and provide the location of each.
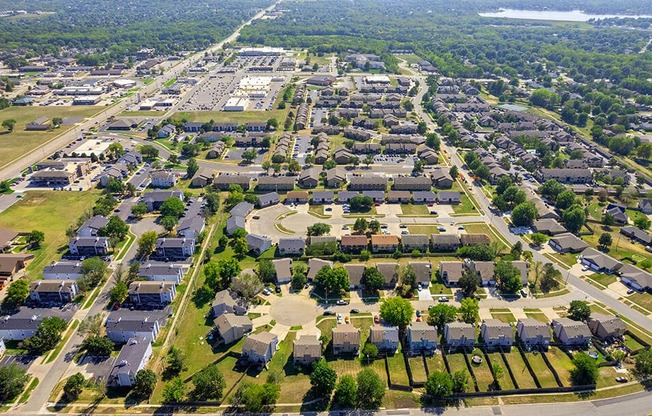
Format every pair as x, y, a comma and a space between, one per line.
424, 294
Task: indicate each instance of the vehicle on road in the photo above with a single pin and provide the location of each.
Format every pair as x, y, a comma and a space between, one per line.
442, 229
355, 310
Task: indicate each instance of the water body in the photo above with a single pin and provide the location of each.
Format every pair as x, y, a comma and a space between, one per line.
569, 16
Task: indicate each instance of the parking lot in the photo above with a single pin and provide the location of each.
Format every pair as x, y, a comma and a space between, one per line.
394, 160
98, 368
300, 150
23, 361
236, 155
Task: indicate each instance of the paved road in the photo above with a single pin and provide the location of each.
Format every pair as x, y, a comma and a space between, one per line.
590, 290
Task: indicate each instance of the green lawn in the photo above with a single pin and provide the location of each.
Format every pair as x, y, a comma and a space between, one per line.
506, 381
456, 362
603, 279
482, 372
411, 209
397, 369
561, 363
20, 142
546, 379
418, 369
539, 316
519, 369
481, 228
642, 299
423, 229
506, 317
465, 206
435, 363
52, 213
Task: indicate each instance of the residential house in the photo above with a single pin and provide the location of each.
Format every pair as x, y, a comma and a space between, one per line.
389, 272
63, 270
309, 178
275, 183
269, 199
423, 271
411, 242
411, 183
259, 348
122, 325
175, 248
53, 291
571, 333
355, 272
315, 265
345, 196
346, 340
152, 293
637, 234
424, 197
617, 211
421, 338
496, 333
377, 196
233, 224
635, 278
12, 263
548, 226
368, 183
599, 262
459, 335
451, 272
645, 206
225, 302
92, 226
132, 358
397, 197
89, 246
231, 328
606, 326
445, 242
25, 322
384, 243
568, 243
202, 178
7, 237
384, 337
306, 350
242, 209
163, 179
335, 177
485, 270
564, 175
323, 197
524, 270
191, 227
533, 334
154, 200
291, 246
474, 239
353, 243
448, 197
283, 269
342, 156
258, 243
224, 181
297, 197
441, 179
161, 272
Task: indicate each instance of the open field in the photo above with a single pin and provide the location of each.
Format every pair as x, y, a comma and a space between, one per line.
19, 142
411, 209
233, 116
456, 362
423, 229
397, 369
642, 299
52, 213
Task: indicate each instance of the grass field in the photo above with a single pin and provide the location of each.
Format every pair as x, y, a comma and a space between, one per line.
20, 142
423, 229
397, 369
410, 209
506, 381
561, 363
603, 279
418, 369
435, 363
506, 317
481, 228
519, 369
456, 362
546, 379
539, 316
234, 116
52, 213
642, 299
482, 372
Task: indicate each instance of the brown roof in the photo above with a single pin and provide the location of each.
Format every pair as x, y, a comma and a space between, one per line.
474, 239
6, 236
259, 342
355, 273
354, 240
8, 262
307, 345
384, 240
297, 195
345, 333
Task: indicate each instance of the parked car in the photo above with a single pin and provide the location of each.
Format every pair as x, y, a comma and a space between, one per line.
355, 310
418, 313
278, 289
630, 291
443, 299
339, 318
442, 229
376, 319
266, 291
342, 302
329, 313
621, 379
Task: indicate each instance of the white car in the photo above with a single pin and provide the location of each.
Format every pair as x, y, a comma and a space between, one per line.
339, 318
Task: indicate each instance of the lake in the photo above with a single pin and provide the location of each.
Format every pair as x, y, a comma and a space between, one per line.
569, 16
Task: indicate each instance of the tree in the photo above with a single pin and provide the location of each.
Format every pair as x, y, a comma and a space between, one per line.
371, 389
360, 226
35, 238
299, 278
144, 383
346, 392
176, 361
149, 152
147, 243
47, 335
369, 351
97, 345
266, 271
294, 167
139, 210
365, 255
481, 252
549, 279
169, 222
74, 386
116, 228
319, 229
470, 310
498, 374
551, 188
642, 363
9, 124
209, 383
441, 314
256, 397
372, 279
333, 280
172, 207
439, 385
508, 277
579, 310
460, 381
322, 379
538, 239
16, 294
523, 214
397, 312
119, 293
249, 155
408, 276
361, 203
642, 222
644, 150
586, 370
469, 282
247, 285
565, 199
192, 167
12, 382
574, 218
454, 172
173, 391
91, 325
116, 150
605, 241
